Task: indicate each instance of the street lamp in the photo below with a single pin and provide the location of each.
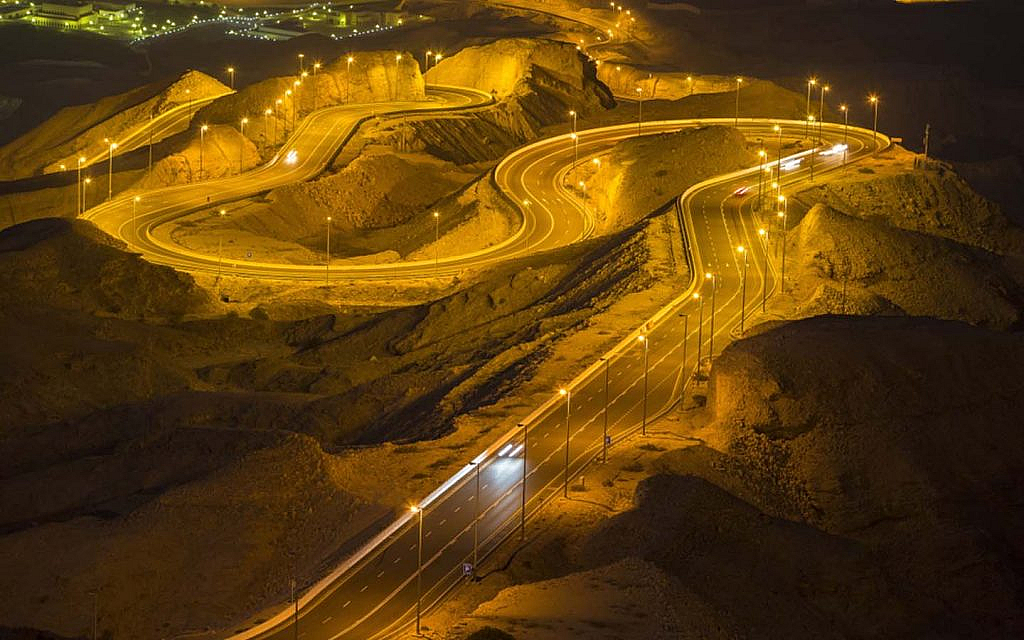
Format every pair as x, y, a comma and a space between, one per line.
297, 100
85, 185
763, 234
711, 329
418, 511
301, 57
583, 196
231, 75
316, 67
814, 144
202, 142
220, 240
821, 108
426, 60
110, 169
643, 425
188, 92
739, 81
288, 94
348, 78
241, 143
689, 83
700, 328
266, 124
437, 58
810, 83
327, 265
762, 155
568, 401
135, 202
846, 125
81, 161
575, 150
437, 236
398, 62
783, 214
778, 130
640, 109
572, 114
873, 99
743, 295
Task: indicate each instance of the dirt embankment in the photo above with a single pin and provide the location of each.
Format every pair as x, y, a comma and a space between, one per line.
81, 130
907, 241
639, 175
863, 472
219, 151
373, 76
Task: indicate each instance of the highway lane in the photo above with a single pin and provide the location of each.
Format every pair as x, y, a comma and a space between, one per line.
375, 594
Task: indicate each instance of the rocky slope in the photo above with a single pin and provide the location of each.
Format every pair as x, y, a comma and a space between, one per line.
220, 151
640, 175
863, 472
80, 130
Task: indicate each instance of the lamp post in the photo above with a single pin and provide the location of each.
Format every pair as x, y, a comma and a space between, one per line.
568, 401
711, 328
437, 237
81, 161
188, 92
739, 81
231, 75
846, 126
288, 94
743, 295
398, 62
202, 143
348, 78
266, 125
426, 60
110, 169
643, 424
764, 280
575, 150
572, 114
316, 67
640, 109
814, 144
278, 104
810, 83
821, 108
301, 59
607, 399
437, 58
241, 143
784, 215
327, 265
522, 511
296, 101
135, 203
418, 511
700, 326
85, 191
689, 83
220, 241
873, 99
762, 155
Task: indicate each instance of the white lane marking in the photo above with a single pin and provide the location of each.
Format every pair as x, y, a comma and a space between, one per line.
364, 588
347, 602
441, 524
381, 573
327, 619
395, 561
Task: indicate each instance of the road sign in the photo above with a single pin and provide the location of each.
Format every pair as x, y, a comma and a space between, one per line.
467, 569
607, 439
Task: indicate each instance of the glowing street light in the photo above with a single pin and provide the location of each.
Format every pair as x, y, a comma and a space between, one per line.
188, 92
778, 130
846, 126
81, 161
426, 60
348, 77
418, 511
327, 264
762, 155
110, 169
711, 333
568, 402
437, 58
135, 202
572, 114
398, 62
814, 146
763, 234
85, 200
783, 214
301, 58
437, 237
575, 150
640, 109
810, 83
743, 296
643, 425
316, 67
266, 123
821, 108
231, 75
873, 99
202, 141
241, 143
700, 327
739, 81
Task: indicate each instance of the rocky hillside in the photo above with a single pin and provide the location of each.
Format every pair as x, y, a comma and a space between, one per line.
223, 149
70, 264
373, 76
640, 175
80, 130
863, 472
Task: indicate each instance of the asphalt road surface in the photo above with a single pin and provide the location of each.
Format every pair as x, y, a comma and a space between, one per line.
375, 594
